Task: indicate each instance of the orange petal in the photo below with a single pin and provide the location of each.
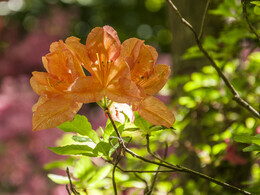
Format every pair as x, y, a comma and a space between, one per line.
123, 91
104, 42
155, 112
157, 80
141, 59
41, 89
49, 113
117, 70
86, 90
62, 61
130, 50
80, 52
50, 81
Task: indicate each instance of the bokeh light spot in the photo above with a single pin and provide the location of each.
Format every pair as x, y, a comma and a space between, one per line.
164, 36
4, 10
144, 31
154, 5
15, 5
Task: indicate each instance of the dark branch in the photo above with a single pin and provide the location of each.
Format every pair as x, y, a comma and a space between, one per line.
236, 95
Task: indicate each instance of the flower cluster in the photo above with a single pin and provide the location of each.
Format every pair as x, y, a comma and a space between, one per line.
77, 74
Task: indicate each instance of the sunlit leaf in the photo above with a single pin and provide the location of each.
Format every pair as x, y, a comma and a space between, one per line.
99, 176
81, 139
243, 138
59, 179
73, 150
80, 125
252, 148
102, 149
82, 167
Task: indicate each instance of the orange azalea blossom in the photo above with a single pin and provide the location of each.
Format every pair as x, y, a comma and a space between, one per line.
149, 79
110, 75
64, 87
54, 105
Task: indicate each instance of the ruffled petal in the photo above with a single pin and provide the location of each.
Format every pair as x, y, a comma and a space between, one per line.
49, 113
51, 82
86, 90
80, 52
123, 91
104, 42
140, 58
155, 112
157, 80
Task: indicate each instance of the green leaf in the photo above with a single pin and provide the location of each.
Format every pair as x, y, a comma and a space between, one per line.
81, 139
59, 179
102, 149
108, 131
257, 10
59, 164
73, 150
255, 2
80, 125
141, 123
99, 176
252, 148
82, 167
256, 141
243, 138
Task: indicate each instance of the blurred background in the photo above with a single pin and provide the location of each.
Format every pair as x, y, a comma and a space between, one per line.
207, 118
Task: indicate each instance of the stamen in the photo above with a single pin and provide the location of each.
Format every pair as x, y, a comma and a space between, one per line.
48, 80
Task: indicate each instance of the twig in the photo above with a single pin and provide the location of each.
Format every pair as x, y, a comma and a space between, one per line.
247, 20
171, 166
143, 180
156, 174
68, 190
236, 95
204, 19
71, 185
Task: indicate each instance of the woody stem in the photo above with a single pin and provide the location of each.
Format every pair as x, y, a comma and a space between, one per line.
169, 165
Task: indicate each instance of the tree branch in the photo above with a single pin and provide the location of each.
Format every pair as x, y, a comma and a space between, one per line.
236, 95
169, 165
243, 2
203, 20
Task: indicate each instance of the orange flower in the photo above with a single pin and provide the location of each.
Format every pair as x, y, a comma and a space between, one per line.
65, 87
110, 75
149, 79
55, 106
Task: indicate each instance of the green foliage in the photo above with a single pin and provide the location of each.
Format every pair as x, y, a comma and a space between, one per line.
73, 150
80, 125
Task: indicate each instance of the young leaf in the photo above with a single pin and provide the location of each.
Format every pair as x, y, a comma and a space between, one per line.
252, 148
80, 125
100, 175
102, 149
81, 139
59, 179
73, 150
141, 123
243, 138
59, 164
82, 167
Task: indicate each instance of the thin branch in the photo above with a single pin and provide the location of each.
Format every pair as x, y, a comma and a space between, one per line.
71, 185
113, 177
143, 180
236, 95
247, 20
171, 166
204, 19
68, 190
156, 174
